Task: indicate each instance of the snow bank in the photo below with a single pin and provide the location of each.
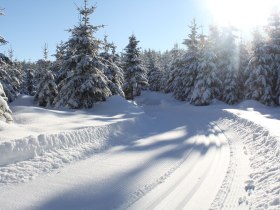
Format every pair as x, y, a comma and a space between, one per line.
31, 120
264, 149
28, 147
23, 159
41, 140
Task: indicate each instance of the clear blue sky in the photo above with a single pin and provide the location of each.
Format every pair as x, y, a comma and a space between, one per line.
157, 24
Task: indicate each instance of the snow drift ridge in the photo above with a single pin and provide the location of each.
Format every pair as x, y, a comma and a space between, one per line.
29, 147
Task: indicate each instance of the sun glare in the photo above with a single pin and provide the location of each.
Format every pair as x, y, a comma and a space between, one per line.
243, 14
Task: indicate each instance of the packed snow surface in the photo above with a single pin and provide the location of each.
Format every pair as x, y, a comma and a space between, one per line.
151, 153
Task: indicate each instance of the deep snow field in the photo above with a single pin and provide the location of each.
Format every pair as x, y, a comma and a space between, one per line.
151, 153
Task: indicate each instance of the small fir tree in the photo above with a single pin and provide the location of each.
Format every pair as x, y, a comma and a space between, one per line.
29, 82
134, 72
47, 89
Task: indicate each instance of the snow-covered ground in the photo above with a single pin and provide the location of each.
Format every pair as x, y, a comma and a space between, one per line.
154, 153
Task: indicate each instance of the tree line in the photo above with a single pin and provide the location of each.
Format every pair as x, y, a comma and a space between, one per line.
87, 70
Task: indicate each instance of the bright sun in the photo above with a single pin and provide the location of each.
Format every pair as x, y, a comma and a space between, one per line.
244, 14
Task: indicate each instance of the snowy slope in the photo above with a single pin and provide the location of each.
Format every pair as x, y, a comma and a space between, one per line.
154, 153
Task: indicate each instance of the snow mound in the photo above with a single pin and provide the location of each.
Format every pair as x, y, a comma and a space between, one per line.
115, 104
250, 105
152, 98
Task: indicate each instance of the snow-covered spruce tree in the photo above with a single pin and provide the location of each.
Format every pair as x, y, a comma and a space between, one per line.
5, 111
29, 82
28, 78
112, 67
15, 70
207, 84
134, 72
174, 75
228, 67
66, 63
41, 66
59, 57
273, 44
172, 62
47, 89
183, 84
259, 83
153, 69
84, 83
8, 75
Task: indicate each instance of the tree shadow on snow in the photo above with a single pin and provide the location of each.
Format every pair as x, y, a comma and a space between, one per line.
144, 135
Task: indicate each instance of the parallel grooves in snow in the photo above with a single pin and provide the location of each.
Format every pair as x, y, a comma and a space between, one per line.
182, 188
173, 187
226, 185
184, 202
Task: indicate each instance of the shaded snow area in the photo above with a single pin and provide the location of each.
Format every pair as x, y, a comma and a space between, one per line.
152, 153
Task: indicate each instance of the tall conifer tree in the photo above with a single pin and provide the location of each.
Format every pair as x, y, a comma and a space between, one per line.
84, 83
185, 76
